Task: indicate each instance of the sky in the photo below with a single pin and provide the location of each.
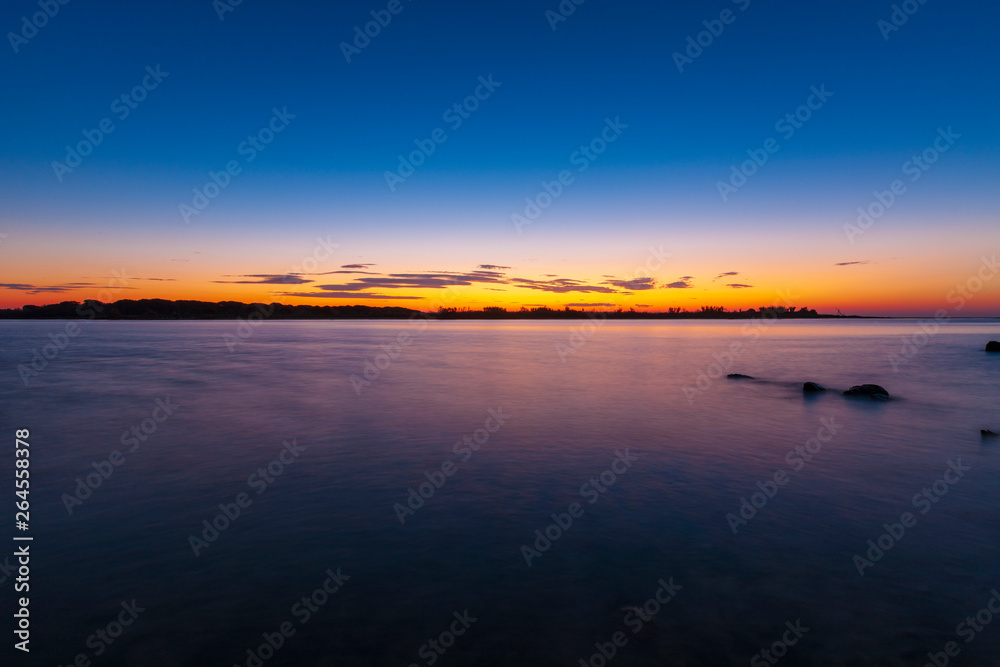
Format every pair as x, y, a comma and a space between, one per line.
838, 156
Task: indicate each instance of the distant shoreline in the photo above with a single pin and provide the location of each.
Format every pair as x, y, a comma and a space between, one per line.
181, 310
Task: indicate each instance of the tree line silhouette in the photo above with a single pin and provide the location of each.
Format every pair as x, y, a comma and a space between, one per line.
162, 309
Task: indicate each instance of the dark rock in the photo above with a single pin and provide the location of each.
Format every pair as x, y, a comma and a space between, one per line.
739, 376
873, 391
812, 388
993, 346
988, 433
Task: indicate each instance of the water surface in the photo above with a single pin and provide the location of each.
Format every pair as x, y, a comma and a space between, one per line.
569, 398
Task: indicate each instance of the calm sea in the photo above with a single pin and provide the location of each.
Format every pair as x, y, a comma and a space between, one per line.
746, 506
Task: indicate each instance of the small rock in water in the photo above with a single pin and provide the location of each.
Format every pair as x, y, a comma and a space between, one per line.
993, 346
812, 388
873, 391
739, 376
988, 433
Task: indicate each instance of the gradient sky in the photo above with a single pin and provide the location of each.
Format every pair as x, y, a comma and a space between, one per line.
71, 235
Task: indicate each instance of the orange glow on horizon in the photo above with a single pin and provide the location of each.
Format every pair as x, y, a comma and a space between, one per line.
914, 280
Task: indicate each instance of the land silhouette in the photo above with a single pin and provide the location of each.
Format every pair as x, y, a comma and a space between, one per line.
162, 309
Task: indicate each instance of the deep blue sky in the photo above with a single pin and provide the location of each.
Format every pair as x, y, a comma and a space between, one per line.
606, 60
